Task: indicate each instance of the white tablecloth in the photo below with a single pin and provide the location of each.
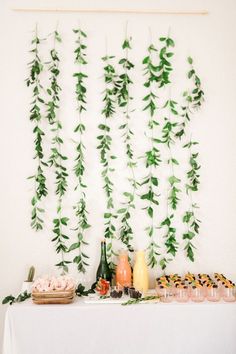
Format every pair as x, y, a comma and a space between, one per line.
80, 328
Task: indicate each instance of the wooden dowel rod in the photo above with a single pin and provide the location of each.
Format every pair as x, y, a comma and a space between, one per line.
121, 11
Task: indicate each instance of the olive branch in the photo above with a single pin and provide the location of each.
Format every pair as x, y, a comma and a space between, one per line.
40, 189
81, 207
105, 146
124, 98
152, 156
56, 158
168, 139
193, 101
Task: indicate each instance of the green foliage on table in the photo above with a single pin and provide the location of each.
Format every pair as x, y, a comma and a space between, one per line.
141, 300
124, 101
152, 156
34, 80
80, 290
57, 158
81, 206
10, 299
105, 149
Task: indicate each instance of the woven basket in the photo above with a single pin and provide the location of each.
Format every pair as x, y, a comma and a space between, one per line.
53, 297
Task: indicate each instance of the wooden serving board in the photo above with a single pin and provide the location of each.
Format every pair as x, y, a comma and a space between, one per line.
54, 300
52, 294
53, 297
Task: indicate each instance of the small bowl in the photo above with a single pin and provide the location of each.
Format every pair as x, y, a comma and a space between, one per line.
116, 292
134, 294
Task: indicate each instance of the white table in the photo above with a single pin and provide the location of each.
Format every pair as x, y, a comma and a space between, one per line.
80, 328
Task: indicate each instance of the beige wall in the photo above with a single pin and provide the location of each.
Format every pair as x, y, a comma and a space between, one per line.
211, 42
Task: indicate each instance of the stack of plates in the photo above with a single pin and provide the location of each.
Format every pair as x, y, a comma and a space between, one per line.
53, 297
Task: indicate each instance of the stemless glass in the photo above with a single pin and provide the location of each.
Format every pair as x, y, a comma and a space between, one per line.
228, 294
165, 294
197, 294
181, 294
213, 294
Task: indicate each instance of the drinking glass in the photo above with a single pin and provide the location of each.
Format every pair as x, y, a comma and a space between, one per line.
182, 295
197, 294
165, 294
213, 294
229, 294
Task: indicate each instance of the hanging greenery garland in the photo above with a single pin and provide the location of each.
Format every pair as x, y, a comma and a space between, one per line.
152, 156
40, 188
124, 99
193, 101
105, 146
168, 138
117, 92
56, 158
81, 207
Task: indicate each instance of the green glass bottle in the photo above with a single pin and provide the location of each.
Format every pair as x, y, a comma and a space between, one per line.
103, 270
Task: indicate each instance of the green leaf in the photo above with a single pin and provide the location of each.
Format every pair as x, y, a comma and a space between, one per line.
150, 212
64, 221
154, 181
190, 60
121, 211
172, 180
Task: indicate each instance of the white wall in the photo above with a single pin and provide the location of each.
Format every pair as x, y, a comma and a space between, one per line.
211, 42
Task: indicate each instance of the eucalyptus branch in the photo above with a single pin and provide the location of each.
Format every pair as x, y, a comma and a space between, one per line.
171, 242
173, 191
124, 98
197, 92
80, 208
105, 145
189, 218
152, 156
192, 227
10, 299
56, 158
164, 68
168, 138
40, 188
193, 101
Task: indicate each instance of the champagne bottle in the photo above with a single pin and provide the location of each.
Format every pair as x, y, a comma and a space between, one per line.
103, 270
